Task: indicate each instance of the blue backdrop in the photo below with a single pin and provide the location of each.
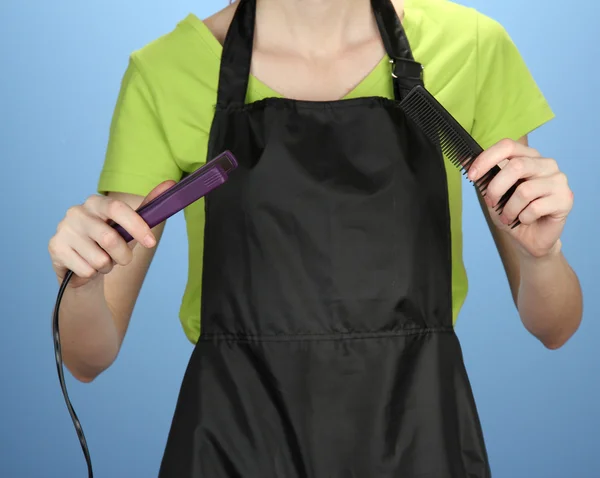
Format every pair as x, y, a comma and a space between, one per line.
60, 68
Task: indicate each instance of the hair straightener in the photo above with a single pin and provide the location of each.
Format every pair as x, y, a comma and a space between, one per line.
194, 186
456, 144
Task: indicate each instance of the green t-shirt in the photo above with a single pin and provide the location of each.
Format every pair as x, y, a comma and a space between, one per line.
165, 108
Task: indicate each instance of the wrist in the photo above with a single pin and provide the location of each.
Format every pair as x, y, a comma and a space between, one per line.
529, 261
89, 291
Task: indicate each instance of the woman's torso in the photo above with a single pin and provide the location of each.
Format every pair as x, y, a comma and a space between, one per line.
180, 71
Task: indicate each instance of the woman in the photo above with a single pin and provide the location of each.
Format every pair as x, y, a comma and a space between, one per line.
330, 264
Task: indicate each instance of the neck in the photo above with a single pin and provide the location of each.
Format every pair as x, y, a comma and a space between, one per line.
314, 27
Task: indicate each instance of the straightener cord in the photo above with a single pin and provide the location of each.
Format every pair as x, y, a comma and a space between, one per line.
61, 373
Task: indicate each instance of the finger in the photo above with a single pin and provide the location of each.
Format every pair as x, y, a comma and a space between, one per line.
497, 153
86, 224
70, 260
525, 194
157, 191
121, 213
516, 168
91, 253
543, 207
111, 242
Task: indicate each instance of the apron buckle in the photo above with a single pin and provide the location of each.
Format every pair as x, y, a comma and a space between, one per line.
405, 68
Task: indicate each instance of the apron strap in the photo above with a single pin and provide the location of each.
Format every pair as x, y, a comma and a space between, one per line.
237, 56
237, 53
406, 72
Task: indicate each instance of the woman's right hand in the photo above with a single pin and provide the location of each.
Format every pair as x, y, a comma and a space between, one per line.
85, 244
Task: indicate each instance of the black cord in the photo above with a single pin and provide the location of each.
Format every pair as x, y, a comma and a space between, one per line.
61, 374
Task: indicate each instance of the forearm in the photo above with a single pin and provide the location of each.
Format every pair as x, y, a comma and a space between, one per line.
549, 298
89, 336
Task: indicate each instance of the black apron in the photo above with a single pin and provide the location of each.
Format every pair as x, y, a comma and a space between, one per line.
327, 347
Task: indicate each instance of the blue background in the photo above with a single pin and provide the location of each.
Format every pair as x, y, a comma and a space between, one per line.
60, 68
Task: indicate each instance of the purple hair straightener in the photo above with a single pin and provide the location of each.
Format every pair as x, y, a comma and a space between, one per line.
191, 188
185, 192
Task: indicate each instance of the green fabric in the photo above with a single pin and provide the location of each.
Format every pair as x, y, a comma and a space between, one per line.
165, 108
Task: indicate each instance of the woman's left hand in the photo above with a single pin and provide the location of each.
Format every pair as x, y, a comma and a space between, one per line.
541, 202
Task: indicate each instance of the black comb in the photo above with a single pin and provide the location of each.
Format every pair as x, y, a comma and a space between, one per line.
456, 144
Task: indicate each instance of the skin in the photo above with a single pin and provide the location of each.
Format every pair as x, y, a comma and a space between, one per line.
545, 289
333, 44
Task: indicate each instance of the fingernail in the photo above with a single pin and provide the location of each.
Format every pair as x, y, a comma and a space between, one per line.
149, 241
473, 173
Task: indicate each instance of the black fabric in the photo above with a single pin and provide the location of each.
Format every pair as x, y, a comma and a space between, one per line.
327, 348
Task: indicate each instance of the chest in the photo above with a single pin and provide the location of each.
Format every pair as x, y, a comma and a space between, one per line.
320, 78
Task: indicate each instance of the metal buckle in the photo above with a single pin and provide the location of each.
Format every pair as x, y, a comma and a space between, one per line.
393, 63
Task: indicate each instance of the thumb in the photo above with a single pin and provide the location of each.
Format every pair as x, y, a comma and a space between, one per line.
157, 191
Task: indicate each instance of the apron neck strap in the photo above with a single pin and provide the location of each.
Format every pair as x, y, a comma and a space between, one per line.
237, 56
406, 72
237, 52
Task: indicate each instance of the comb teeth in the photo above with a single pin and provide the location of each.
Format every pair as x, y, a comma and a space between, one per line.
456, 144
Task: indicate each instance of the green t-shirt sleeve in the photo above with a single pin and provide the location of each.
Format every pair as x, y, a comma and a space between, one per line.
138, 155
509, 103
